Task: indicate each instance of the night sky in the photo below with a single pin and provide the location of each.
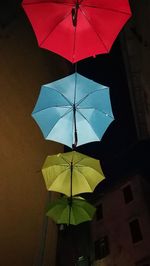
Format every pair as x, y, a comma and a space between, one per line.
119, 151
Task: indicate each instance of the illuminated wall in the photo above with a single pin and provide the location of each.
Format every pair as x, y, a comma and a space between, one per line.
23, 196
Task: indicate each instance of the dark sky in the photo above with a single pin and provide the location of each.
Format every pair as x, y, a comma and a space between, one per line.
119, 151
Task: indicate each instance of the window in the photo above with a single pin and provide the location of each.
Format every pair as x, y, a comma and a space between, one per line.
101, 248
83, 261
135, 231
99, 212
127, 192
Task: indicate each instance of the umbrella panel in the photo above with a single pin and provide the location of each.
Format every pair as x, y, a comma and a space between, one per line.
98, 24
86, 173
55, 107
78, 212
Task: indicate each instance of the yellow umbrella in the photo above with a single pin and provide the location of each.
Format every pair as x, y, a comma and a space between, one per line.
72, 173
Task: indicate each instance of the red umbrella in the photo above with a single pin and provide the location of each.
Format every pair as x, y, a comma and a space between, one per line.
76, 29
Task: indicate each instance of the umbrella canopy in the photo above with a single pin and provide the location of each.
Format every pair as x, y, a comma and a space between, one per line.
73, 110
77, 29
71, 173
73, 211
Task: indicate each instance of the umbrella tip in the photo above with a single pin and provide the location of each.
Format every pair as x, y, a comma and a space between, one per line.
73, 146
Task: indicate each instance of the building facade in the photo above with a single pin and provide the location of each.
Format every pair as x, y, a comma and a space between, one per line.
27, 237
120, 230
135, 40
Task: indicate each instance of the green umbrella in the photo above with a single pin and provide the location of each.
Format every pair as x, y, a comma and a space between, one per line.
71, 210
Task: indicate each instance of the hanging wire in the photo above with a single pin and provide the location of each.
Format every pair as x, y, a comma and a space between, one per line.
70, 198
74, 112
42, 248
74, 21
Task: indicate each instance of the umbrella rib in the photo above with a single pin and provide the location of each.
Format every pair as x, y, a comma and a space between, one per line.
62, 96
65, 107
100, 111
80, 2
90, 23
78, 167
46, 2
67, 161
61, 172
90, 94
78, 161
71, 160
68, 111
62, 3
64, 17
88, 123
59, 119
55, 89
109, 9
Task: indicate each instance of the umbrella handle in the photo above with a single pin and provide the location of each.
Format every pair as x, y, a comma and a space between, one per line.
74, 145
75, 128
70, 206
75, 14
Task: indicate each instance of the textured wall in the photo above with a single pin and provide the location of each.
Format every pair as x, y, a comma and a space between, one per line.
136, 46
115, 224
23, 196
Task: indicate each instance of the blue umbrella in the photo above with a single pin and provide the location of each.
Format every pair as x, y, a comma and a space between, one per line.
73, 110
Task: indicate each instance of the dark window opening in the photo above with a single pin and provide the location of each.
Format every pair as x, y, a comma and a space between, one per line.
101, 248
99, 212
83, 261
135, 231
127, 192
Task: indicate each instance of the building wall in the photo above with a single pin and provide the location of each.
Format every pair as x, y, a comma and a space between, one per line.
23, 196
136, 49
115, 224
